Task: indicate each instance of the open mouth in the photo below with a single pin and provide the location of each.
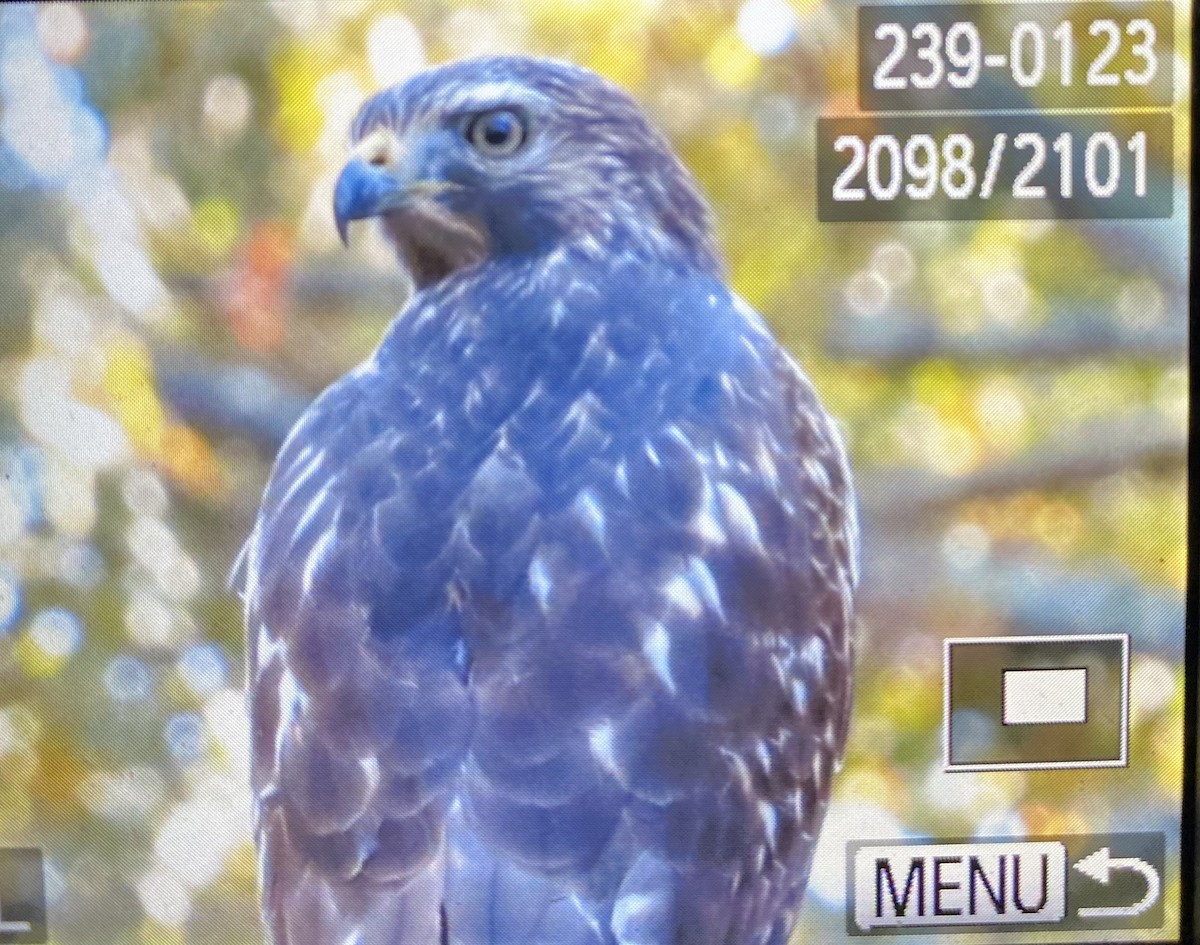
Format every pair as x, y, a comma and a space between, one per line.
432, 241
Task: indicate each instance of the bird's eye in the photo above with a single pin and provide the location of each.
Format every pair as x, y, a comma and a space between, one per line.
496, 133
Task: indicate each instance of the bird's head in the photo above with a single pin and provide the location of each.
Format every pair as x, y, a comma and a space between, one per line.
511, 156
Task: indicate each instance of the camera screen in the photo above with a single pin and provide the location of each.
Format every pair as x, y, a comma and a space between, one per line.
595, 472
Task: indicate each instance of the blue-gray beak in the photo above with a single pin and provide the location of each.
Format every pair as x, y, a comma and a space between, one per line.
363, 190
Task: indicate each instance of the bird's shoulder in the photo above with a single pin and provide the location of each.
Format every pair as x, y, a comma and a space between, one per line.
559, 385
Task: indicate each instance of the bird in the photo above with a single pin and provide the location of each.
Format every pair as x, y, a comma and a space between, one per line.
550, 601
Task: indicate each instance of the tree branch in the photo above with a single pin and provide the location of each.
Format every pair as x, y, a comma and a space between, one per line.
1091, 451
1034, 594
899, 342
311, 288
229, 399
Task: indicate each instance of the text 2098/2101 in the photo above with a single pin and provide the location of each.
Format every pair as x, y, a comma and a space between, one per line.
922, 166
889, 167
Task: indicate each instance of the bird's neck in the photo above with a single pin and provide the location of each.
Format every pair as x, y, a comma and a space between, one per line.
515, 304
588, 253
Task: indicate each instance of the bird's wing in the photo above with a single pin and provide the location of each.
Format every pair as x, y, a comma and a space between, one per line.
352, 745
833, 517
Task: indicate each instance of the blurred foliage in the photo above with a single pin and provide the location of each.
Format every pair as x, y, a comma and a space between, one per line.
165, 180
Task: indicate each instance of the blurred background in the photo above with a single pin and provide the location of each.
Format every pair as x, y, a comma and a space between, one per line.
1014, 396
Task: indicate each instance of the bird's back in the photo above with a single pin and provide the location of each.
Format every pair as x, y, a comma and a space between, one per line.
550, 609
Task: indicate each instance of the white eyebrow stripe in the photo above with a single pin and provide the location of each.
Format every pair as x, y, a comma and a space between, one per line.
492, 95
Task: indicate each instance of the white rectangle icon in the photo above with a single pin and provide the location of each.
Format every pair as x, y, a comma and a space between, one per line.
1122, 757
946, 884
1044, 696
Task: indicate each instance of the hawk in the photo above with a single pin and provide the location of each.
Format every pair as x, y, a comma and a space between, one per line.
550, 601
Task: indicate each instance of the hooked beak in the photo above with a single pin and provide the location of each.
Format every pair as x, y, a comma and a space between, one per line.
383, 179
363, 190
376, 180
368, 184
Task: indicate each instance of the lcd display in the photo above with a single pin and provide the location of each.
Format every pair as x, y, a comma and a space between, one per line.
595, 472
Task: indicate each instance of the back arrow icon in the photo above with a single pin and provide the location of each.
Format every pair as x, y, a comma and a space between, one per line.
1099, 866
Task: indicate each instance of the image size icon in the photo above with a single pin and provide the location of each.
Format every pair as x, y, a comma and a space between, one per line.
1045, 696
